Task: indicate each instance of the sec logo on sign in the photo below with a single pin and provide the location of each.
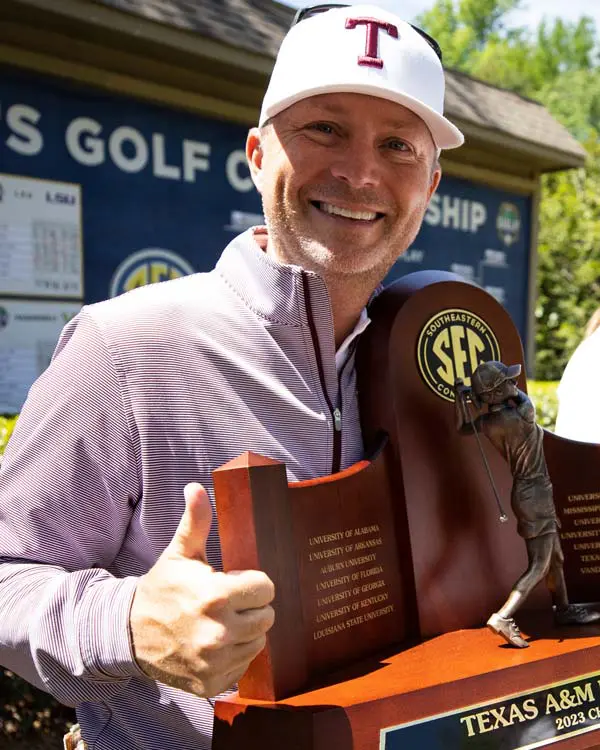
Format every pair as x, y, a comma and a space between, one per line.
148, 266
451, 345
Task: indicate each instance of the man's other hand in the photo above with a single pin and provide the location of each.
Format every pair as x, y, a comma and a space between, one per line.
194, 628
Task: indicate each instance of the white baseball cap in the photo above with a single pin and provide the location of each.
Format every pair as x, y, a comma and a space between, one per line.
361, 49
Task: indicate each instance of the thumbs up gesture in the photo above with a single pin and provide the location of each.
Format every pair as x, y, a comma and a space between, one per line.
192, 627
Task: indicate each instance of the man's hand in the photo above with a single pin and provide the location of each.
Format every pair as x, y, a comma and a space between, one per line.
194, 628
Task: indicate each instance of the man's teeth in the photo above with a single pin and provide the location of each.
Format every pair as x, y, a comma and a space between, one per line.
337, 211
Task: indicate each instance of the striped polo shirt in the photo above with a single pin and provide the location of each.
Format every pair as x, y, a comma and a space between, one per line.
147, 392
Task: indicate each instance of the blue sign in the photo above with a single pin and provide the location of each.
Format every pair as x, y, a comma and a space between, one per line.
482, 234
164, 191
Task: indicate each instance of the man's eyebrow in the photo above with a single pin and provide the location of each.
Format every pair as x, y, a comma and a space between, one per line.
334, 109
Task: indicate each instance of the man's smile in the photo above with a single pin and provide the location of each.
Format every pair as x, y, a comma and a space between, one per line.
347, 213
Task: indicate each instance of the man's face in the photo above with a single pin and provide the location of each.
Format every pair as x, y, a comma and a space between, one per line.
345, 180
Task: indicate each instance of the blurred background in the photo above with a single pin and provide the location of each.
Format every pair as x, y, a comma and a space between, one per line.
122, 130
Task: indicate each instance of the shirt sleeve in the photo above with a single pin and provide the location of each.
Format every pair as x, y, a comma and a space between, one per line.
69, 481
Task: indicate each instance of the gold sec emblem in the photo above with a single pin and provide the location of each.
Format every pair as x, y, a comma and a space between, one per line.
451, 345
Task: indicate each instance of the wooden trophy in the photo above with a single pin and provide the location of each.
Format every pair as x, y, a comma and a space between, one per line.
387, 572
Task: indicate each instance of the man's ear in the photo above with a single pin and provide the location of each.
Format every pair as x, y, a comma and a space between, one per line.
436, 176
254, 155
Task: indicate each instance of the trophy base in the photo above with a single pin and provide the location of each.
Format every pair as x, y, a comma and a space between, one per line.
465, 689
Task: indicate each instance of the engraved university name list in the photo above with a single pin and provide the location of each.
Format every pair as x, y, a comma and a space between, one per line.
350, 586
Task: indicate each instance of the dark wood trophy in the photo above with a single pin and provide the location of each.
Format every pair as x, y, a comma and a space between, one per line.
387, 573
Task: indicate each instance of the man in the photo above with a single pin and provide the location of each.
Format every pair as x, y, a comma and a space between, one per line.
510, 426
109, 583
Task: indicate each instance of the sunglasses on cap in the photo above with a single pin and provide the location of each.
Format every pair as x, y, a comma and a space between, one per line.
314, 10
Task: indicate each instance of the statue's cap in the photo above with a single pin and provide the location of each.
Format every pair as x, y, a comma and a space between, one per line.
490, 375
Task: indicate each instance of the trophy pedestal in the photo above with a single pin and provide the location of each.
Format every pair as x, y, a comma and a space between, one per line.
463, 689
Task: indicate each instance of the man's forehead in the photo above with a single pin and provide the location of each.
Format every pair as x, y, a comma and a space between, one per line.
385, 112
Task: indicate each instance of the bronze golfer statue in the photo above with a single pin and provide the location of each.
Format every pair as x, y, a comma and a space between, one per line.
509, 423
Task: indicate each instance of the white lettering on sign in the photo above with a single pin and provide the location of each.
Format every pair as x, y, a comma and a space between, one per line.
455, 213
235, 160
495, 258
161, 168
25, 138
126, 147
194, 159
466, 271
82, 144
137, 158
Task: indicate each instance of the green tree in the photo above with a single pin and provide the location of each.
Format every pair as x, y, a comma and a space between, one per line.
464, 29
476, 38
558, 65
569, 262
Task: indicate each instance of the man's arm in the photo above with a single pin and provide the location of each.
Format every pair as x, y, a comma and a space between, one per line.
69, 483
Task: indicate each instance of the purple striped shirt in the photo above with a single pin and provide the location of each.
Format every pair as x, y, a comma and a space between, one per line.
145, 393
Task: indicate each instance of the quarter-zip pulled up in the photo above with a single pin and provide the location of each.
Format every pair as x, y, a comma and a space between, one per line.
334, 411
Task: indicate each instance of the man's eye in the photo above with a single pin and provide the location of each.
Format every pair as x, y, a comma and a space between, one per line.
397, 145
322, 127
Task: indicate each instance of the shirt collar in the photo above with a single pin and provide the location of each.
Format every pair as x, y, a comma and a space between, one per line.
342, 354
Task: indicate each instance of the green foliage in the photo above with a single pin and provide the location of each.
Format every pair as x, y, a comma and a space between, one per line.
476, 39
463, 29
558, 65
574, 99
30, 715
569, 262
7, 425
543, 395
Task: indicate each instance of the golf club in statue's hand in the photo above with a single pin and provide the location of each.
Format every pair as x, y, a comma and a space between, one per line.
509, 424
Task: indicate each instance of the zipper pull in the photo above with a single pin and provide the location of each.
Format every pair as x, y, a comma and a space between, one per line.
337, 419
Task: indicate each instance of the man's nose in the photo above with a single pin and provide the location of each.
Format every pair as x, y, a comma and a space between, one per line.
357, 165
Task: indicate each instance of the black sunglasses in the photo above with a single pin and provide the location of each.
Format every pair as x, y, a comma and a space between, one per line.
314, 10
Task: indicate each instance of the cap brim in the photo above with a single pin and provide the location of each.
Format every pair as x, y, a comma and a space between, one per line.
445, 135
513, 372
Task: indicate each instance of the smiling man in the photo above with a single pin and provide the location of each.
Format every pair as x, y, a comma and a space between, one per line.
111, 593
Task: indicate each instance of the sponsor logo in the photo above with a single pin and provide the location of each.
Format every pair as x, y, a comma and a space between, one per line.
65, 199
148, 266
451, 345
508, 223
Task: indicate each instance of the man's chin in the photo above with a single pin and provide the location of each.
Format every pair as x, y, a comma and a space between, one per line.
333, 262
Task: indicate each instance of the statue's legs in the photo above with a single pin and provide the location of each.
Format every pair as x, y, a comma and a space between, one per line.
556, 577
540, 556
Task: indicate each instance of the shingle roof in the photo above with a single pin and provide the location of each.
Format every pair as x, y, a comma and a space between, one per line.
258, 26
255, 25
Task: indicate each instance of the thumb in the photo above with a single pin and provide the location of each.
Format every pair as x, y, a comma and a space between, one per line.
191, 535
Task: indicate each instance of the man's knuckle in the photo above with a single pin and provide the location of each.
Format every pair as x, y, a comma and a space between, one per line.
217, 638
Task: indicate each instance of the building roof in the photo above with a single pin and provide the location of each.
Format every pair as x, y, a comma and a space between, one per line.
258, 26
255, 25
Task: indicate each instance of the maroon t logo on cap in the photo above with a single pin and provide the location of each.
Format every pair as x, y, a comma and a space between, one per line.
373, 26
